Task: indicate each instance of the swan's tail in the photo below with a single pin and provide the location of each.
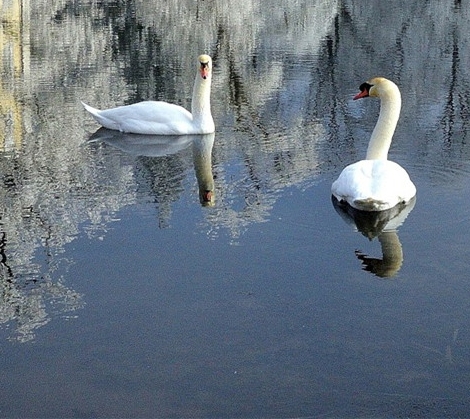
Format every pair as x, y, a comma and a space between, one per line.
90, 109
102, 120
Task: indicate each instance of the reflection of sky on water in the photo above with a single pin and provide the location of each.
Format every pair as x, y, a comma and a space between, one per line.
281, 110
125, 232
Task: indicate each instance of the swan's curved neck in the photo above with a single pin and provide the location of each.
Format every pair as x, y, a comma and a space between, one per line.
381, 138
201, 104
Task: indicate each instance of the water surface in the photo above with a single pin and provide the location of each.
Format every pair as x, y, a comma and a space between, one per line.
125, 295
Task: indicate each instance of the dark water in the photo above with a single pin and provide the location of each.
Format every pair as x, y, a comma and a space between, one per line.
123, 296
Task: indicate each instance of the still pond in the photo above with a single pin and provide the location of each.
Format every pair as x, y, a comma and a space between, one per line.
122, 295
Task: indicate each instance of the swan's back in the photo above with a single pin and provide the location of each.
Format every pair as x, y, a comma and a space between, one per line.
149, 117
374, 185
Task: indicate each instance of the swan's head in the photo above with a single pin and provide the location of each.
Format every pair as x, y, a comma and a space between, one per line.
376, 87
205, 65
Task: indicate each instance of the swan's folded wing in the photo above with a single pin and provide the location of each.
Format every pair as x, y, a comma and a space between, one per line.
151, 118
159, 118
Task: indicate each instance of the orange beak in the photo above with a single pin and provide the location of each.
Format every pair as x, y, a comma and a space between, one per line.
204, 71
362, 94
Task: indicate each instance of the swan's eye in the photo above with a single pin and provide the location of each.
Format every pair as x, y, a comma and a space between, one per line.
365, 87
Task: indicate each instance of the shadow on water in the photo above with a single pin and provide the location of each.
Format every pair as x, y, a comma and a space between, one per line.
382, 225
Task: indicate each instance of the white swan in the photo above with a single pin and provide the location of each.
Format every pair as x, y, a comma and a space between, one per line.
377, 184
162, 118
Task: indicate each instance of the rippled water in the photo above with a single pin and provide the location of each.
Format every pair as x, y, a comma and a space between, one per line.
126, 293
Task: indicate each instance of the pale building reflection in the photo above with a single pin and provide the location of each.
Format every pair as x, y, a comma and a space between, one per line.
14, 63
166, 145
383, 225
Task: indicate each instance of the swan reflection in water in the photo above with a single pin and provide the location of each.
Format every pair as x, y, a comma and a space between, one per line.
165, 145
380, 224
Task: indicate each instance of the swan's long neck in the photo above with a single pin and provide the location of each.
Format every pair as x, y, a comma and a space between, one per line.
201, 102
381, 138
